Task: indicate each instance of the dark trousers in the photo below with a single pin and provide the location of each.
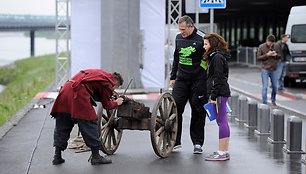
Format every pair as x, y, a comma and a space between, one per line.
63, 128
194, 92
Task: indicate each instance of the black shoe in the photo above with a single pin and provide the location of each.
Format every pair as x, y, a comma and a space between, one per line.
280, 89
274, 104
57, 161
98, 159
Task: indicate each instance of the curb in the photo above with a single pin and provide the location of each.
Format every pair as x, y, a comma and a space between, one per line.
284, 108
142, 90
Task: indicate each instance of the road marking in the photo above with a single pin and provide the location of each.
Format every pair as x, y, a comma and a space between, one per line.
53, 95
284, 96
247, 82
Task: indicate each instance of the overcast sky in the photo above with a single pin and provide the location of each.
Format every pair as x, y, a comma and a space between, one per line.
33, 7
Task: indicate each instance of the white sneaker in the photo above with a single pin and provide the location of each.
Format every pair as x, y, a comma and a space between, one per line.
177, 146
197, 149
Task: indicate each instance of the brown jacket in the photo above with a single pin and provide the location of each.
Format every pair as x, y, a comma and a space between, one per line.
268, 62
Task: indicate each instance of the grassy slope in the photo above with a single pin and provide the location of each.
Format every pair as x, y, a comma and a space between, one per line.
23, 82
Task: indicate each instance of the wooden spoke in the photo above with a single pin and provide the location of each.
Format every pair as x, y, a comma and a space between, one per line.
172, 117
160, 140
105, 135
159, 121
113, 137
170, 108
110, 135
161, 112
165, 141
105, 117
165, 101
160, 130
109, 140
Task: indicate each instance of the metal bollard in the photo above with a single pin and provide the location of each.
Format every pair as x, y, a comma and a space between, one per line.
229, 101
277, 127
263, 120
243, 109
252, 114
234, 104
276, 151
304, 160
294, 135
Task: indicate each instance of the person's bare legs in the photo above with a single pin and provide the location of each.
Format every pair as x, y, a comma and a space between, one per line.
223, 144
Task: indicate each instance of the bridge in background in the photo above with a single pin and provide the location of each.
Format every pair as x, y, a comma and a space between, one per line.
27, 23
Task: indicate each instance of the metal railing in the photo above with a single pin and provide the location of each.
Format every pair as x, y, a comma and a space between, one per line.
247, 56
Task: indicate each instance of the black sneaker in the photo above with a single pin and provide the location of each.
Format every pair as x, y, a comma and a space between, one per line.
274, 105
98, 159
197, 149
57, 161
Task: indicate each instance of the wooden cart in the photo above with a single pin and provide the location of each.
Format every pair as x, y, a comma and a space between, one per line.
162, 122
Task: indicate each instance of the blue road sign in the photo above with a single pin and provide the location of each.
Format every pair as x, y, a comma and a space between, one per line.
213, 3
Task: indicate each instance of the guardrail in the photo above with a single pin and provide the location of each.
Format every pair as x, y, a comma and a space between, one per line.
247, 56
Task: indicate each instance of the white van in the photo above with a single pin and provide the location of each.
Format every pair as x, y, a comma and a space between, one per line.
296, 28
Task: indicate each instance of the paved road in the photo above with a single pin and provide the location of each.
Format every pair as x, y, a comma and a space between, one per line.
247, 80
27, 148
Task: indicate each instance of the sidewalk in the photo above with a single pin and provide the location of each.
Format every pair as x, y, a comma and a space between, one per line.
27, 148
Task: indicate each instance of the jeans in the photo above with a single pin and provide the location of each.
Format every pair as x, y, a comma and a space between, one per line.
281, 74
265, 74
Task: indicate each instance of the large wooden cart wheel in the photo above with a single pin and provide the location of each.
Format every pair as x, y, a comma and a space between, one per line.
110, 135
164, 123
